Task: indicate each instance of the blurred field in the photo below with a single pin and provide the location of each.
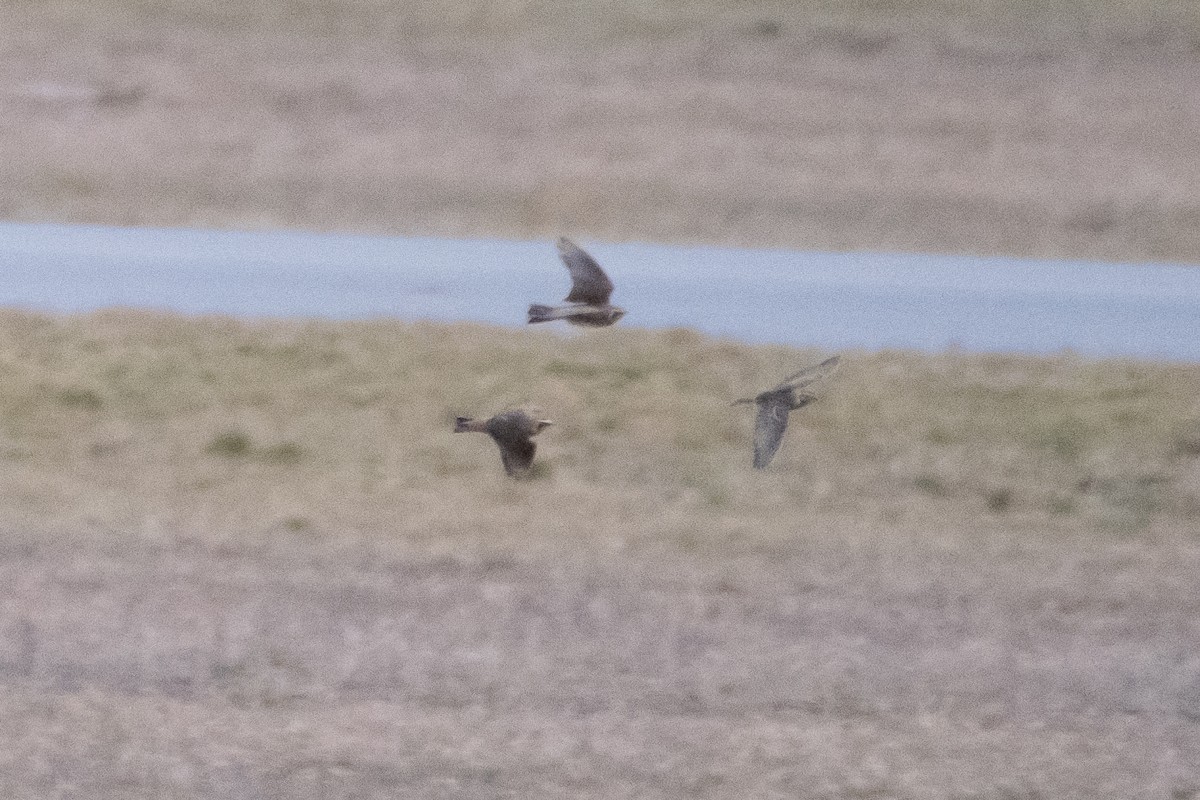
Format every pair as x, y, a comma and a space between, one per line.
1062, 129
249, 559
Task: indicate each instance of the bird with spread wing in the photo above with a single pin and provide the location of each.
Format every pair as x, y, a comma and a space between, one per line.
776, 403
590, 291
513, 432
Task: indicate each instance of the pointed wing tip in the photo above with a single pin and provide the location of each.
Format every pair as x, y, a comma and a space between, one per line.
811, 374
589, 283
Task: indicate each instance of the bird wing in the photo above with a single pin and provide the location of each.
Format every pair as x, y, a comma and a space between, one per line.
516, 455
810, 374
511, 431
769, 426
589, 284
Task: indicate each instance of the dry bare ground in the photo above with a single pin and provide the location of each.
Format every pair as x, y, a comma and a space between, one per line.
1066, 128
252, 560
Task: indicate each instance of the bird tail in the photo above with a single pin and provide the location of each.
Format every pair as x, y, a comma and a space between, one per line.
540, 313
462, 424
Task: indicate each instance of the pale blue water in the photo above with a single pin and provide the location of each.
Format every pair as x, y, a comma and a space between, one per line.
831, 300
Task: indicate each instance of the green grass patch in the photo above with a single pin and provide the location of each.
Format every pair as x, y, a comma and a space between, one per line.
84, 399
237, 444
230, 444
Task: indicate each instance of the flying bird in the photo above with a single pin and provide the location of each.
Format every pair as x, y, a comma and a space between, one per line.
590, 291
776, 403
512, 432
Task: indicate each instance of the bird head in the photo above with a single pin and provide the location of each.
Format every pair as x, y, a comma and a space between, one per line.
801, 400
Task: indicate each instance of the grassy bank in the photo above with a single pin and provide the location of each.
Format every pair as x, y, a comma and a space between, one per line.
122, 420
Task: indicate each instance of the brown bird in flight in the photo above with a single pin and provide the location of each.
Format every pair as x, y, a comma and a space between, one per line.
590, 290
776, 403
511, 431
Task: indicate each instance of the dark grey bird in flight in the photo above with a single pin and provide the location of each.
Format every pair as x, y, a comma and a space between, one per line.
776, 403
512, 431
590, 291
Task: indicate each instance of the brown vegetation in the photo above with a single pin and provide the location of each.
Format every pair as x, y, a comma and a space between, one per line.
250, 559
1064, 129
253, 559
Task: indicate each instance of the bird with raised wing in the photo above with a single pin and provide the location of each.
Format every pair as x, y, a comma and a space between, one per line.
590, 292
512, 431
776, 403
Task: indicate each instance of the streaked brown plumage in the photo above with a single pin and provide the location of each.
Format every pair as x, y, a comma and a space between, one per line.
776, 403
589, 295
511, 430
